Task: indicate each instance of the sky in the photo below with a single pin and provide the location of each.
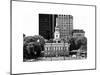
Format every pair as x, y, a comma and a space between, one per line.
25, 15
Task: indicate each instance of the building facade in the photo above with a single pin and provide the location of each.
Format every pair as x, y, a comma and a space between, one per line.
65, 23
47, 23
78, 33
56, 49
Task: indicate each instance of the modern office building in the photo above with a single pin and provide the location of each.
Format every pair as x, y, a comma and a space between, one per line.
47, 23
65, 23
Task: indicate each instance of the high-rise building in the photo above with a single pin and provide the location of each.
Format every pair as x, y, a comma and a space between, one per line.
65, 23
47, 23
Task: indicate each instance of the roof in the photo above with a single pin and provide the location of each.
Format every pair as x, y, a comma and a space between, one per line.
78, 31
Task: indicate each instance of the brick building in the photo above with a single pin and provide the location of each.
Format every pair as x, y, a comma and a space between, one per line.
56, 49
78, 33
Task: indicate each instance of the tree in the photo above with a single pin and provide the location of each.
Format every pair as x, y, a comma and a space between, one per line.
50, 41
76, 43
82, 41
33, 45
27, 47
72, 44
24, 35
40, 40
37, 50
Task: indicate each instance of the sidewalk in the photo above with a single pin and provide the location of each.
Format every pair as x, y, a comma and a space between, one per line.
54, 59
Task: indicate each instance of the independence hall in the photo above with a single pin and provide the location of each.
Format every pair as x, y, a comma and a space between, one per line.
57, 40
58, 28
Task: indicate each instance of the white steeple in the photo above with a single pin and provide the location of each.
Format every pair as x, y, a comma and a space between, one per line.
56, 33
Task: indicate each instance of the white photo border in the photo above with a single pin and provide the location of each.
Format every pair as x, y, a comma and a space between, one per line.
11, 70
